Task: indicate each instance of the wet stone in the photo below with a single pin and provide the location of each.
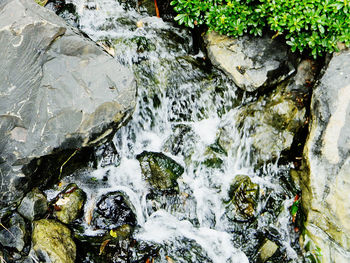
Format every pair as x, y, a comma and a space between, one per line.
243, 201
112, 211
159, 170
52, 242
15, 233
107, 154
188, 252
113, 246
69, 204
267, 250
33, 205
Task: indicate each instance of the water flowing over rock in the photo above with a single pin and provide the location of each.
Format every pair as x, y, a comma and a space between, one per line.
52, 242
326, 184
272, 122
243, 196
159, 170
114, 210
251, 62
58, 90
183, 103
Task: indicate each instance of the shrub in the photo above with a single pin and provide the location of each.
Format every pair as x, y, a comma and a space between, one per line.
311, 25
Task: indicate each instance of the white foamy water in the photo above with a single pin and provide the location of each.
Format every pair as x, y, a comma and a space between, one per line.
183, 110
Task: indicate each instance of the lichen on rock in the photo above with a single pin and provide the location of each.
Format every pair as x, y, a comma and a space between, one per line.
69, 204
159, 170
52, 242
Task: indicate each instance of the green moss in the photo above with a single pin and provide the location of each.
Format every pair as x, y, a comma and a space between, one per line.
70, 204
159, 170
54, 240
243, 196
41, 2
315, 26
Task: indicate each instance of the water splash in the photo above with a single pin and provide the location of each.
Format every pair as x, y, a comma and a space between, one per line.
185, 109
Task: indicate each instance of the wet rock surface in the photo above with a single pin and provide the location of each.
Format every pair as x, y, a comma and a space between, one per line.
34, 205
59, 91
267, 250
52, 242
244, 195
252, 62
273, 122
114, 210
114, 246
325, 180
69, 204
15, 234
159, 170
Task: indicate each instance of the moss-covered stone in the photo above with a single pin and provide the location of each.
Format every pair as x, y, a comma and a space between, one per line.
159, 170
214, 156
243, 201
41, 2
270, 123
69, 204
267, 250
52, 241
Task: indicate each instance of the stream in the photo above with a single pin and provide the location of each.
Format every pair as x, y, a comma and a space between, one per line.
186, 110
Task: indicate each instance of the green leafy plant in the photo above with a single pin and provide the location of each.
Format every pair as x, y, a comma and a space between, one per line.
315, 26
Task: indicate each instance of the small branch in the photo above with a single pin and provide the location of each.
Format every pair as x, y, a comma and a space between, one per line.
7, 230
156, 6
61, 169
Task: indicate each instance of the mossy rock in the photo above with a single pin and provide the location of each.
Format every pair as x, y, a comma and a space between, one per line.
267, 250
52, 242
159, 170
214, 156
41, 2
69, 204
243, 201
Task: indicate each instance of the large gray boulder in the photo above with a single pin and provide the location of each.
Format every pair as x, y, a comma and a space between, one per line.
251, 62
272, 123
58, 91
326, 184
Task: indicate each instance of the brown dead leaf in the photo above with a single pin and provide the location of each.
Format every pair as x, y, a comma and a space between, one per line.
103, 245
169, 259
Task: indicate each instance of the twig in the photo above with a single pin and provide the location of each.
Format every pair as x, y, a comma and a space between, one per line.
7, 230
2, 260
156, 6
61, 169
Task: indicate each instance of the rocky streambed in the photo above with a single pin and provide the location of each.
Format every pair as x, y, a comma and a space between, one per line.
126, 143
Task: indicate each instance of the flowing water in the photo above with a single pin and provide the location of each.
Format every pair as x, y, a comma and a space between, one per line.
186, 109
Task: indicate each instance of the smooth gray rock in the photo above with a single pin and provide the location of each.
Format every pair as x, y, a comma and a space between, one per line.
326, 182
252, 62
33, 206
58, 91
